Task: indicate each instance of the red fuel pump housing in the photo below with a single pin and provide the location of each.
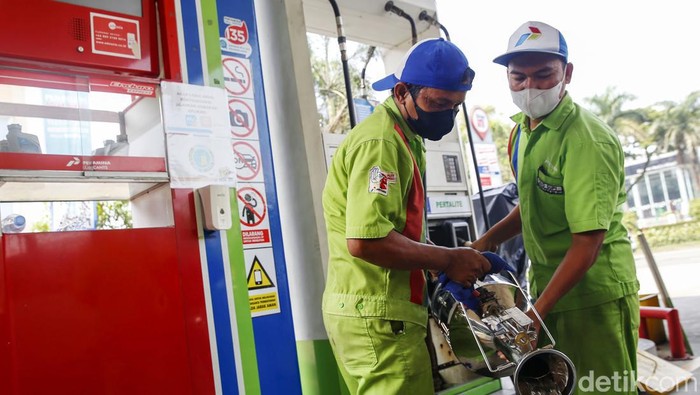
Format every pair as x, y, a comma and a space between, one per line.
97, 35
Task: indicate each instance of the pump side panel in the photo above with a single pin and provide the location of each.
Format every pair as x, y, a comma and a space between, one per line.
96, 312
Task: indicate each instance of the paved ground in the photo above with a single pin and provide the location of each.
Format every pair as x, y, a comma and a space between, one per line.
680, 271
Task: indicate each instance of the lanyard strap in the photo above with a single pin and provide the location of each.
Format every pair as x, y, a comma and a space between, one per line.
513, 150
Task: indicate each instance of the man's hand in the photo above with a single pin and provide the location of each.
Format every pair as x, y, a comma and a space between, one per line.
466, 265
484, 244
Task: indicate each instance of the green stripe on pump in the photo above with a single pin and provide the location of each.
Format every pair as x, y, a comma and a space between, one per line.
210, 26
244, 320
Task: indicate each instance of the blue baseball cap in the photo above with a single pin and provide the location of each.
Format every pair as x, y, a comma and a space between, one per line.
433, 63
534, 37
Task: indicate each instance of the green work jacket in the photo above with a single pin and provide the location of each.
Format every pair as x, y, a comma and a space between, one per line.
571, 179
374, 187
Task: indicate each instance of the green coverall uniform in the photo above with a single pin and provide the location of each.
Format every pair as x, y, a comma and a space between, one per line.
570, 176
374, 316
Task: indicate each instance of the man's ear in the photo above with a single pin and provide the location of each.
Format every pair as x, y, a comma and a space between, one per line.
401, 92
568, 71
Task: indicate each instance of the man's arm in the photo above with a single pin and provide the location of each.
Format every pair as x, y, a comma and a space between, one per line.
578, 259
396, 251
505, 229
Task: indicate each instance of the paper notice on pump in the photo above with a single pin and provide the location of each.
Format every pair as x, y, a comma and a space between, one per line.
200, 150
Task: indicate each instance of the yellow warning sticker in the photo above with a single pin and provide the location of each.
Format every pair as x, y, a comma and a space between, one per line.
258, 277
263, 302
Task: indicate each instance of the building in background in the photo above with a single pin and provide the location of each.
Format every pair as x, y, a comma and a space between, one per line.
663, 192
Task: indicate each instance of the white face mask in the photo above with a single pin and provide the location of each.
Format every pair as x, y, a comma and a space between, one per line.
536, 103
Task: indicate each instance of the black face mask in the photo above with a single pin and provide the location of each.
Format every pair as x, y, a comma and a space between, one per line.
432, 125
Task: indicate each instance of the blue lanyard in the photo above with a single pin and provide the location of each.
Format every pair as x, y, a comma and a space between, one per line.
514, 156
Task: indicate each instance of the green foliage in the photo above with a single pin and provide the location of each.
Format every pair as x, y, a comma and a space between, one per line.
629, 220
329, 80
695, 209
114, 215
41, 226
682, 232
501, 133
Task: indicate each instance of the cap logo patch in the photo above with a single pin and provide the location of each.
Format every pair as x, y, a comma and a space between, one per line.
379, 181
534, 34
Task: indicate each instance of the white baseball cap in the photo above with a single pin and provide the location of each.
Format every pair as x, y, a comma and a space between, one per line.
534, 36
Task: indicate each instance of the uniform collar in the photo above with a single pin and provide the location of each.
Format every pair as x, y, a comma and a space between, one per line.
555, 119
390, 105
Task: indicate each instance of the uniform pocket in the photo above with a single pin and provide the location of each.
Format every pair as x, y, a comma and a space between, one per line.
351, 341
549, 199
549, 184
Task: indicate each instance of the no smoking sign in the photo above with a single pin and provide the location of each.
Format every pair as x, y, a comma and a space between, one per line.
237, 77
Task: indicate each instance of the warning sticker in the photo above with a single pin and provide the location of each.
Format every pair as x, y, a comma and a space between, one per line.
115, 36
246, 155
255, 226
258, 277
242, 119
237, 77
263, 293
236, 37
264, 303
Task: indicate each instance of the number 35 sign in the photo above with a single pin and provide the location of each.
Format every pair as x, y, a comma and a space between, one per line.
236, 37
237, 34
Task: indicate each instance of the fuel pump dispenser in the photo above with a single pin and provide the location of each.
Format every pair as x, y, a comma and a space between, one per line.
449, 212
183, 302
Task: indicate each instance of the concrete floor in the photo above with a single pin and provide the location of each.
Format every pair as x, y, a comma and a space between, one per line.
689, 309
680, 270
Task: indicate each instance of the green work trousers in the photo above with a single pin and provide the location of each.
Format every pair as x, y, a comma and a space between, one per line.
602, 343
380, 357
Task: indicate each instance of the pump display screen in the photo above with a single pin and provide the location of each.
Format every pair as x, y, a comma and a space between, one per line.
451, 163
129, 7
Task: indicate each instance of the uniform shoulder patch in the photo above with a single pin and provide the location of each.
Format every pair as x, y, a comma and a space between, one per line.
379, 180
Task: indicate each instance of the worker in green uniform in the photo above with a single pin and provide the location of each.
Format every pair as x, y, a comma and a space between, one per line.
569, 168
373, 201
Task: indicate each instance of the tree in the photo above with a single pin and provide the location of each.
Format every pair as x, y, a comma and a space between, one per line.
677, 127
329, 82
114, 215
633, 127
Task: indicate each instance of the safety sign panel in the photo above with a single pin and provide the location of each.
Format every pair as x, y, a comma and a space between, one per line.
263, 294
235, 38
242, 119
246, 155
238, 80
252, 207
487, 161
258, 277
480, 125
